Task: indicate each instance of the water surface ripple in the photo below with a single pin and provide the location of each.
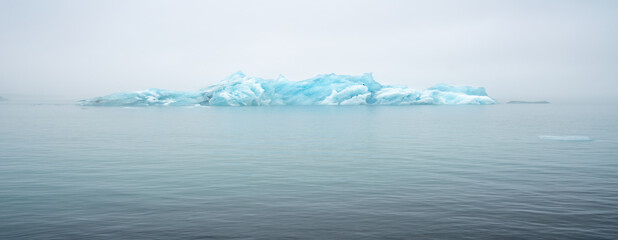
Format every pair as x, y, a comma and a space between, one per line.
361, 172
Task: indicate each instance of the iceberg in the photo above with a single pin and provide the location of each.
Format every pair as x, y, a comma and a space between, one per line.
330, 89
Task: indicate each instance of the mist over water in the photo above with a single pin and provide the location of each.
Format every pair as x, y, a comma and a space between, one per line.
309, 172
518, 50
168, 164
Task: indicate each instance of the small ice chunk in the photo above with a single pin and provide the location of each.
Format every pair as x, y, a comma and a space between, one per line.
566, 138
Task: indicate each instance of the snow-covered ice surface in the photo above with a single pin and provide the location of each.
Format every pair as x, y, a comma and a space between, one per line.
241, 90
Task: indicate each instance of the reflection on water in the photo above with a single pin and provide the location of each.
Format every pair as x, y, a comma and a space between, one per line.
357, 172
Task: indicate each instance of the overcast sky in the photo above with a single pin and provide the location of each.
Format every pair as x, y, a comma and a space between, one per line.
525, 50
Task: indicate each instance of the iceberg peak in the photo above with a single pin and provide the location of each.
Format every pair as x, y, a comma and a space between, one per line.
329, 89
238, 74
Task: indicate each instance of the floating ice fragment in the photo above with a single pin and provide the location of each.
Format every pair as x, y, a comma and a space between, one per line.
566, 138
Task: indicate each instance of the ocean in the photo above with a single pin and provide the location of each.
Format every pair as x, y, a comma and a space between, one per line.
546, 171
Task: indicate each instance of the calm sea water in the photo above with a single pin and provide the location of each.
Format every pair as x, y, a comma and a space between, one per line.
362, 172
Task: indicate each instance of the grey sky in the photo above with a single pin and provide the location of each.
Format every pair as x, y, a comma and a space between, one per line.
536, 50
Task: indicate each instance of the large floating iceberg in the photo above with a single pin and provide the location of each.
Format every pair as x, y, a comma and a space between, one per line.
241, 90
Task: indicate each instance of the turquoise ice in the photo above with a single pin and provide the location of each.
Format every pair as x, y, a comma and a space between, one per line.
330, 89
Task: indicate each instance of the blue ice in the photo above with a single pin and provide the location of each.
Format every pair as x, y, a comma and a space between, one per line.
330, 89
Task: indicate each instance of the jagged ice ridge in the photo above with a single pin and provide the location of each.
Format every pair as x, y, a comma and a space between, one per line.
331, 89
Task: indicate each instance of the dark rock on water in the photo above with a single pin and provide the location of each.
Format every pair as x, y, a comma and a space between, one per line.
528, 102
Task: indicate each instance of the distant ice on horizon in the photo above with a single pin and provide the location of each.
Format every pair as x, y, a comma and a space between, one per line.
330, 89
